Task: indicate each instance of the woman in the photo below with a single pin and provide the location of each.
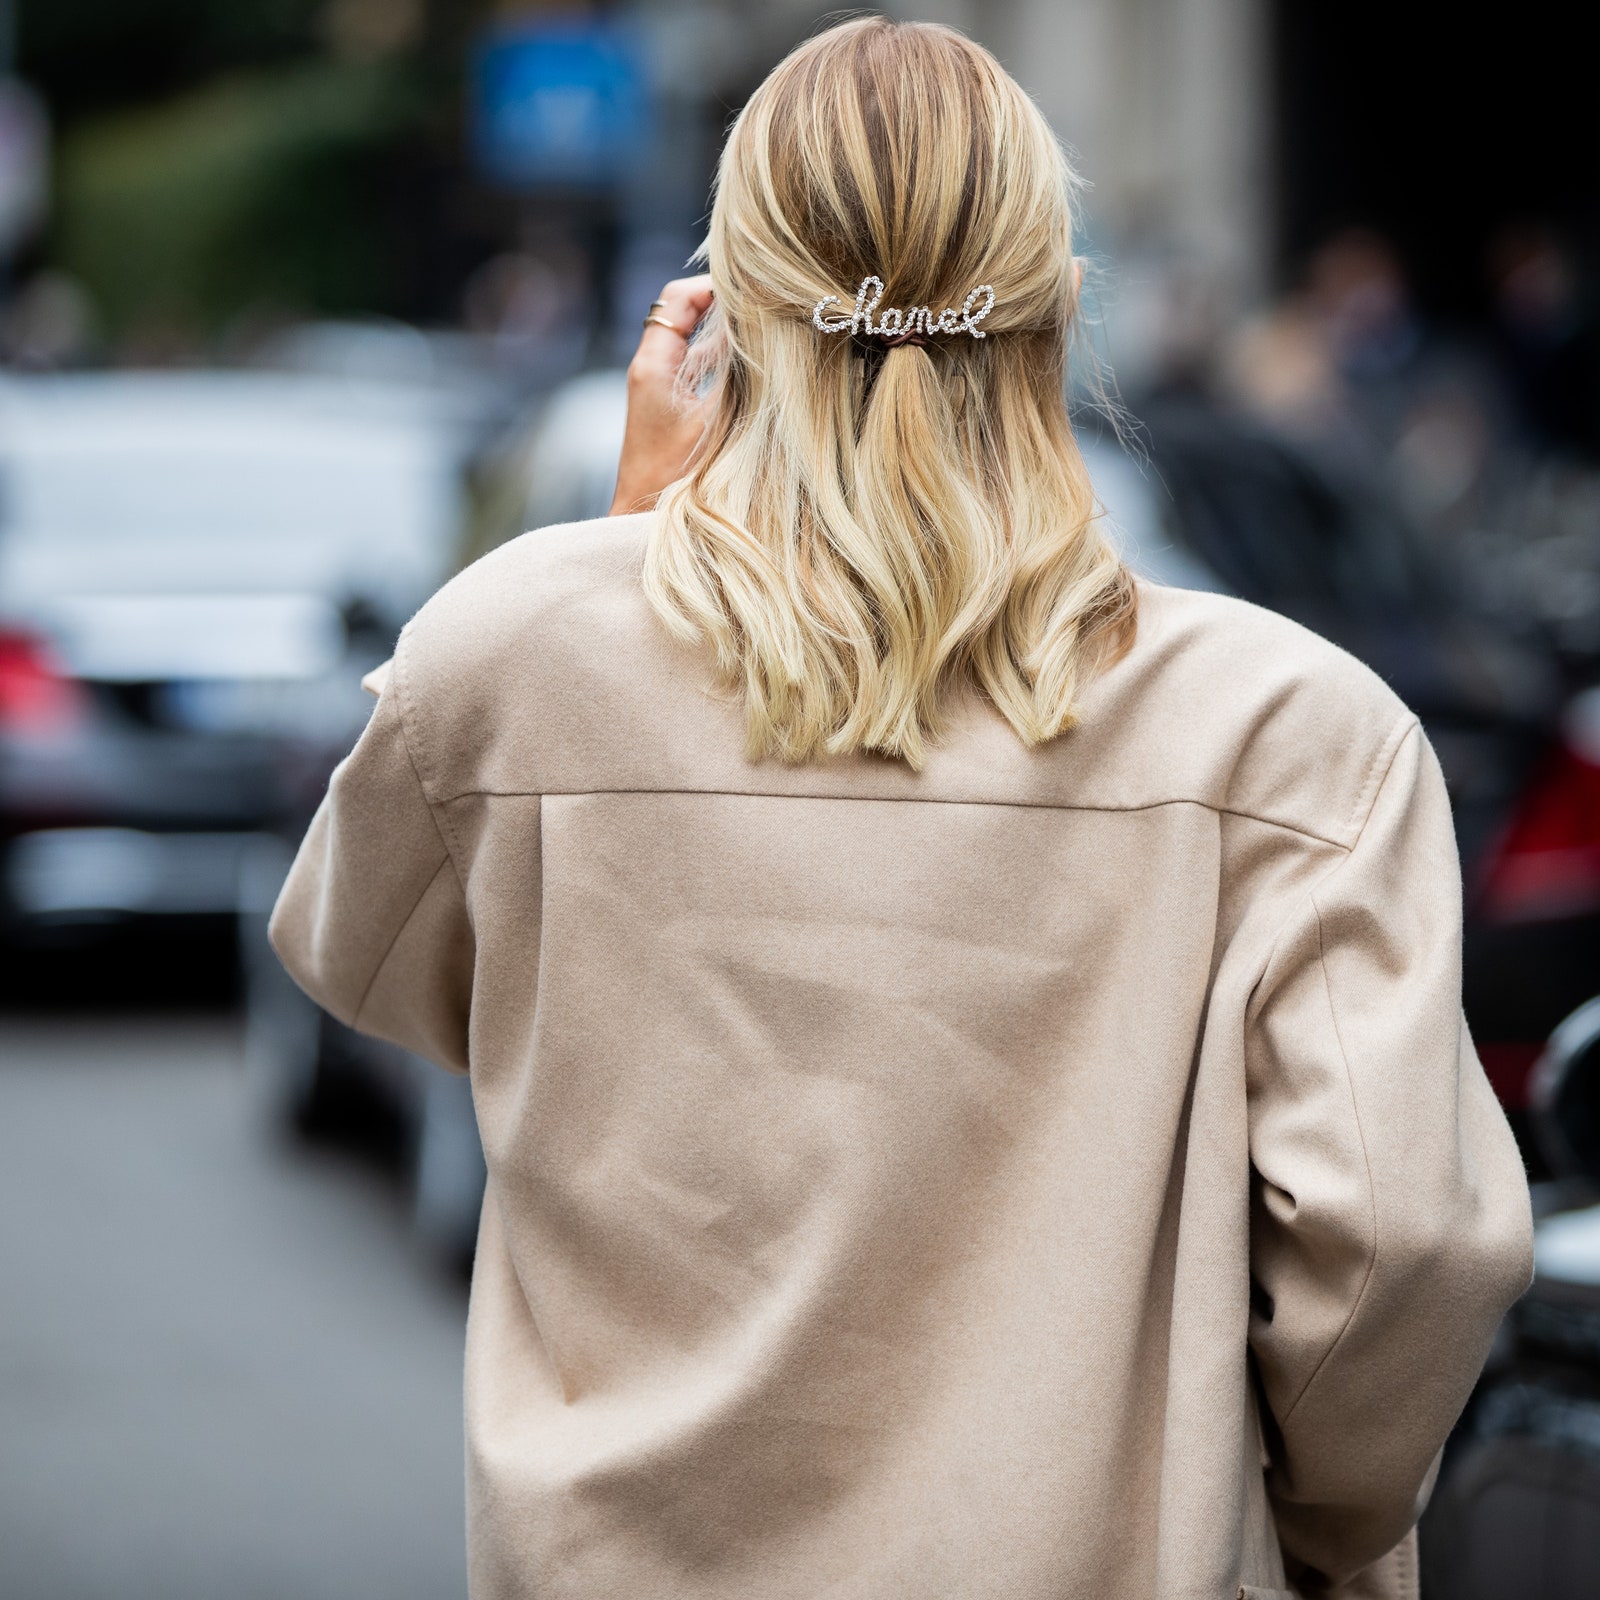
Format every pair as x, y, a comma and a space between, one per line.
968, 1047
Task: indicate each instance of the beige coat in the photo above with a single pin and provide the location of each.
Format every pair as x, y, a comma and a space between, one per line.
910, 1187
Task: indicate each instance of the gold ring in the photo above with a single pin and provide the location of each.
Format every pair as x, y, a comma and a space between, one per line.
655, 305
661, 322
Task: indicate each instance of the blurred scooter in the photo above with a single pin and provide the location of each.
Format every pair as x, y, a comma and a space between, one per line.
1516, 1515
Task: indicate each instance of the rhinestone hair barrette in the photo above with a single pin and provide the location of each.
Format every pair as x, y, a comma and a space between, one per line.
894, 324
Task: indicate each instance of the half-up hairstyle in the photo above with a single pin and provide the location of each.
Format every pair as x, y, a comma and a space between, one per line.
867, 526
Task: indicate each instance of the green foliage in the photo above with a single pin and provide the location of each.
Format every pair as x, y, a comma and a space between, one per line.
257, 191
91, 55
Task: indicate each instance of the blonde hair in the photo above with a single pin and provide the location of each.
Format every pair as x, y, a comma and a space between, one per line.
867, 528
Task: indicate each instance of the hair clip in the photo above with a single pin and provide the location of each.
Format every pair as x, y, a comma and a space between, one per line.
909, 326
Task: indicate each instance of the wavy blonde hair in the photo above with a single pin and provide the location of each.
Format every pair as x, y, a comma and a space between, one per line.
866, 529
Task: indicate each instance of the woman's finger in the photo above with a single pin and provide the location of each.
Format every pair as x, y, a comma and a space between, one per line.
683, 303
689, 297
661, 434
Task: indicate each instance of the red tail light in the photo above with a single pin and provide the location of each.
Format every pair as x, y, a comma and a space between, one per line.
1547, 863
35, 695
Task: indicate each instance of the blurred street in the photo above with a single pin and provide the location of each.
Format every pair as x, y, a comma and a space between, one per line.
225, 1370
305, 305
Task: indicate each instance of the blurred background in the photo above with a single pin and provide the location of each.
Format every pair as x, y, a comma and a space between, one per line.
305, 303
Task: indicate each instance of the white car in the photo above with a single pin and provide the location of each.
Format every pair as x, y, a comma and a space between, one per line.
195, 570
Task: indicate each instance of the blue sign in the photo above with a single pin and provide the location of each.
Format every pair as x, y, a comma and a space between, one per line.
561, 101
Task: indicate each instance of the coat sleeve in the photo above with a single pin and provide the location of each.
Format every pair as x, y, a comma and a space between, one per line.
1390, 1217
372, 920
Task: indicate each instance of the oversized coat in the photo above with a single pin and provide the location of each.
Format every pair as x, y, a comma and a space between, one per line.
1062, 1174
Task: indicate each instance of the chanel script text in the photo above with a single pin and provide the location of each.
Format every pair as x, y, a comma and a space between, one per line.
893, 323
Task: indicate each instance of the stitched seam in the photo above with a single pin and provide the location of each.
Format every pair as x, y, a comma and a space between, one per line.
902, 800
1344, 1057
388, 949
1347, 850
436, 813
1376, 773
1366, 1161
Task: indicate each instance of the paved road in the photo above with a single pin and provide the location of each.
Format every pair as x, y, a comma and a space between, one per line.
224, 1372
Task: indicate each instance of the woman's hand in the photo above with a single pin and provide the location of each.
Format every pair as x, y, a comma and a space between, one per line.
660, 436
